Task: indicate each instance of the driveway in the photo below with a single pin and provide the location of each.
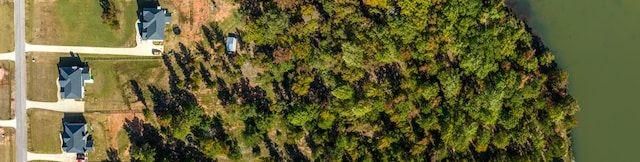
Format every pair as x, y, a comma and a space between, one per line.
64, 157
141, 50
8, 56
60, 106
8, 123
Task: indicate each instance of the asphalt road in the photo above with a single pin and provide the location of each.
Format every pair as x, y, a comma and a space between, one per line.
21, 80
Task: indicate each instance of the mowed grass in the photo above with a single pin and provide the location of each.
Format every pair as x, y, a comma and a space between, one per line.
113, 76
45, 127
114, 80
6, 89
8, 145
79, 23
232, 22
6, 26
44, 131
42, 76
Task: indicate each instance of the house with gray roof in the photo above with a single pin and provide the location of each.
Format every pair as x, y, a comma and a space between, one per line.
152, 23
72, 80
76, 138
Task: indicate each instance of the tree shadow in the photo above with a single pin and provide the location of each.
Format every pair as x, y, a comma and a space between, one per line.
170, 149
112, 155
138, 91
205, 54
173, 78
224, 94
273, 152
251, 8
162, 100
294, 153
206, 75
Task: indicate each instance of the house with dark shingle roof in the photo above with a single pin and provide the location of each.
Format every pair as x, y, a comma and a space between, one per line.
76, 138
152, 23
72, 80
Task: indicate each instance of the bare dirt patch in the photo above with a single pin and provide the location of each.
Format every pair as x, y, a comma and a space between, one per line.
6, 90
116, 122
7, 142
224, 10
3, 73
192, 15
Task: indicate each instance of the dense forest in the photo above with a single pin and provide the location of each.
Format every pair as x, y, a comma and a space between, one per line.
367, 80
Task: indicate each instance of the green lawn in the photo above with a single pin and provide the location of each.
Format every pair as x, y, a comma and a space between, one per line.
6, 88
112, 88
44, 131
78, 22
6, 26
230, 24
42, 76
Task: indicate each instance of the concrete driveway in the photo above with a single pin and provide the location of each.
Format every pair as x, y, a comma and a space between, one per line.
8, 123
8, 56
60, 106
136, 51
64, 157
143, 48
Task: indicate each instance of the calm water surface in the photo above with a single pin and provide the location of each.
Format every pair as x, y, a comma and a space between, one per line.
598, 43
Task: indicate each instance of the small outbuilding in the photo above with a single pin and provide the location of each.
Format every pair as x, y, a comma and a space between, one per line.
232, 44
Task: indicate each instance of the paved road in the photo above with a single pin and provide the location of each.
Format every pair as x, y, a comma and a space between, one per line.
60, 106
8, 123
21, 80
8, 56
64, 157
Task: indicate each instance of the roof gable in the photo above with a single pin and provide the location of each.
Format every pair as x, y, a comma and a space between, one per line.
153, 21
75, 138
71, 81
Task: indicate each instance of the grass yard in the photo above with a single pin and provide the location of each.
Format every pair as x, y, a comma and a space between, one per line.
44, 131
6, 26
79, 23
113, 76
113, 83
6, 89
42, 76
7, 144
232, 22
106, 130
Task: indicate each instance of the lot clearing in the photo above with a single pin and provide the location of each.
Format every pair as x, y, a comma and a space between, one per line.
79, 23
42, 77
6, 89
7, 144
191, 15
106, 130
114, 78
44, 131
6, 26
114, 81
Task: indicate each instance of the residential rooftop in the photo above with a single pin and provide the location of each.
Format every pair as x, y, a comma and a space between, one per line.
152, 23
75, 138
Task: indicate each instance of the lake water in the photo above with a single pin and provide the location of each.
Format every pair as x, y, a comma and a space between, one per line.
598, 43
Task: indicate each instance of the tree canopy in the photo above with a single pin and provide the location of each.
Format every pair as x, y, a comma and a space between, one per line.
384, 80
